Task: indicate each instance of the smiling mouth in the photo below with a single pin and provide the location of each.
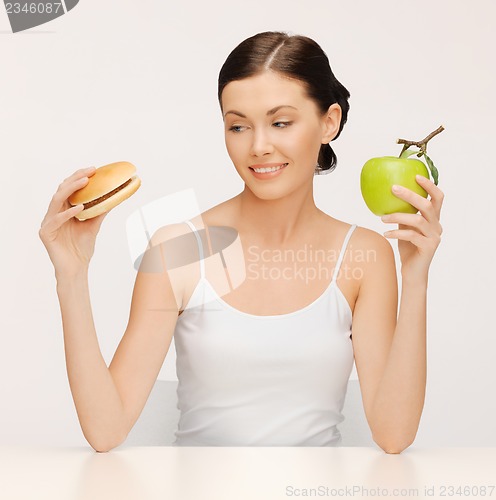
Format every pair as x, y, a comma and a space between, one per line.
263, 170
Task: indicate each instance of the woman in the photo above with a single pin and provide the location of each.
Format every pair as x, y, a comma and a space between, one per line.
268, 363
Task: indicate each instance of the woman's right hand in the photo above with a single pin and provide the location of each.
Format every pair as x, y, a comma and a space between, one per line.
70, 242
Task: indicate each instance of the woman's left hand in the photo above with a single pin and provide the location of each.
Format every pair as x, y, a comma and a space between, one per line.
418, 234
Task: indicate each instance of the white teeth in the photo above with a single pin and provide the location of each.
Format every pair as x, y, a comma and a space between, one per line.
271, 169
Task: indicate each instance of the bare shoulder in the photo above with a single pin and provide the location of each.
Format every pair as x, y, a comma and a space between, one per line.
180, 249
368, 255
373, 252
373, 255
362, 238
165, 233
368, 239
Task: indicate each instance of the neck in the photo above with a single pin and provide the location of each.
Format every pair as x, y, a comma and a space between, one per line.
278, 221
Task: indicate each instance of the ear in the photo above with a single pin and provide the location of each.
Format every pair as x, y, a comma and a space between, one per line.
331, 122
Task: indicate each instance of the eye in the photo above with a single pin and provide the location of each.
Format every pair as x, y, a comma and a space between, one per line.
235, 128
284, 124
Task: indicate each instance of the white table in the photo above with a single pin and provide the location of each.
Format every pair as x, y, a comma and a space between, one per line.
272, 473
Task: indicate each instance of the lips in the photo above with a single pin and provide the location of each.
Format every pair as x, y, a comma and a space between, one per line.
266, 165
268, 174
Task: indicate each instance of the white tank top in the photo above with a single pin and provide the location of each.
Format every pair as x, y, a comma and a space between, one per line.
247, 380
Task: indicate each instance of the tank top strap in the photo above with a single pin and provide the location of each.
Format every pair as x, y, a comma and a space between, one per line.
200, 247
343, 250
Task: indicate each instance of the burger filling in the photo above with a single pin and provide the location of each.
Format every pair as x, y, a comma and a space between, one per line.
105, 196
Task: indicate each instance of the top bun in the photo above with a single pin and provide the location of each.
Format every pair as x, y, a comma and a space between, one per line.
104, 180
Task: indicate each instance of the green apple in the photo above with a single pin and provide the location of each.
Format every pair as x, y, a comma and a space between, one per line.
378, 176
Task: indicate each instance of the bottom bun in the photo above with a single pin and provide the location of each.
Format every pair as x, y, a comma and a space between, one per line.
111, 202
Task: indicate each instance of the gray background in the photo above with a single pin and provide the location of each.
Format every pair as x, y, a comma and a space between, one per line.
137, 81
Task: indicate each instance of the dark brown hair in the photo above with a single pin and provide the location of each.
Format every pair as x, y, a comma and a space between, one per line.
297, 57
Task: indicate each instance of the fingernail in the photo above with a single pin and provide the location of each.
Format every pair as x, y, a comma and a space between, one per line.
396, 188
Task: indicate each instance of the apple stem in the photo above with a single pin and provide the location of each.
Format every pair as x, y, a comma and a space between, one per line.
420, 144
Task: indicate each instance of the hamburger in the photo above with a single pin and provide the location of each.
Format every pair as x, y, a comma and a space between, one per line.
106, 188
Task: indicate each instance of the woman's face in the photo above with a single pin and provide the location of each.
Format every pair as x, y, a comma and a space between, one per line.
269, 120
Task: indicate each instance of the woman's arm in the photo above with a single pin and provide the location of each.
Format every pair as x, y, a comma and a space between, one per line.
109, 400
389, 351
390, 354
399, 399
98, 403
373, 332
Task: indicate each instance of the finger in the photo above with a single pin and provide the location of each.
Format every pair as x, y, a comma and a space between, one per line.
437, 196
407, 235
60, 200
76, 181
64, 216
52, 224
419, 202
81, 173
412, 220
417, 239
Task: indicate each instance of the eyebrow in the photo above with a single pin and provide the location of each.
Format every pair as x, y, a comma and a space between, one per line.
269, 113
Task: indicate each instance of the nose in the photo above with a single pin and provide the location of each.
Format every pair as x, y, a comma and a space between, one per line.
261, 143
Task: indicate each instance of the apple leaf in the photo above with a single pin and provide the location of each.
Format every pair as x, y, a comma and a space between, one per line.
434, 172
409, 152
